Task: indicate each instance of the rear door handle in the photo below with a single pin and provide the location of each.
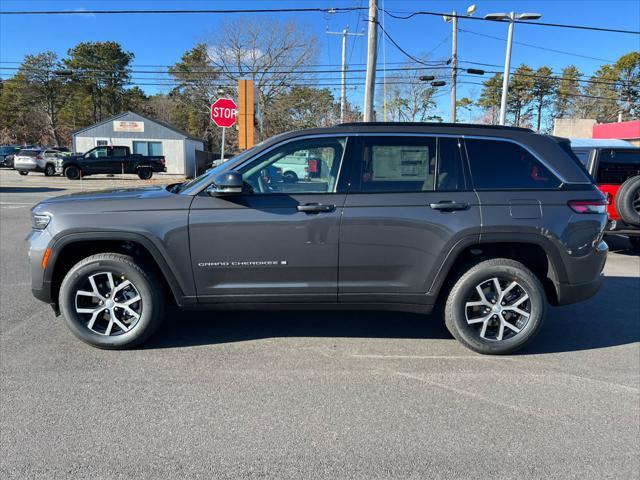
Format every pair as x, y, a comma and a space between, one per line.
449, 206
315, 208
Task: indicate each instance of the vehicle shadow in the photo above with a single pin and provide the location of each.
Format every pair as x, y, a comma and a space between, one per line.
609, 319
30, 189
189, 328
620, 244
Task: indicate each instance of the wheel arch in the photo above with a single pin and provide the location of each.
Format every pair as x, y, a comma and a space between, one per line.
72, 248
536, 253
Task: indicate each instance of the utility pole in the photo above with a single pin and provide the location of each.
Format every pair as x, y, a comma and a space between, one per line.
453, 18
343, 90
372, 55
454, 65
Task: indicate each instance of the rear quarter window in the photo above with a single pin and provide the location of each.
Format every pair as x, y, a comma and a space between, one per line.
499, 164
616, 166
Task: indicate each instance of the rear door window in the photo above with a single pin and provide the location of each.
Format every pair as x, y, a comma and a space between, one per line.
409, 164
499, 165
616, 166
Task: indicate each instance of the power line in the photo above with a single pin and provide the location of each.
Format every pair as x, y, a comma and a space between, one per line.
295, 10
541, 24
182, 11
537, 46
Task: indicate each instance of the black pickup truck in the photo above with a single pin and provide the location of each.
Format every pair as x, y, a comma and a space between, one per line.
105, 159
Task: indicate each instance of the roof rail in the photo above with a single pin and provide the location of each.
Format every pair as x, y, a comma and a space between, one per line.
433, 124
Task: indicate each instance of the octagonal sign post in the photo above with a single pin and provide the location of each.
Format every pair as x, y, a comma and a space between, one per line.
223, 113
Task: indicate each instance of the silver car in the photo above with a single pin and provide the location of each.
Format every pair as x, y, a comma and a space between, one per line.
36, 160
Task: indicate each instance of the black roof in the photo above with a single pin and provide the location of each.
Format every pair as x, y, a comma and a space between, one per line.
433, 124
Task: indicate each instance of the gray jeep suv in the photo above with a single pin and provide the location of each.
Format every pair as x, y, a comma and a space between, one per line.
486, 224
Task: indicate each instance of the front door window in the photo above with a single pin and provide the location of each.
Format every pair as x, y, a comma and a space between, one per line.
305, 166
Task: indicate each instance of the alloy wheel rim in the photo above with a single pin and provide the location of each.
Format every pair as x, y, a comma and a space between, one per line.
636, 201
109, 305
498, 308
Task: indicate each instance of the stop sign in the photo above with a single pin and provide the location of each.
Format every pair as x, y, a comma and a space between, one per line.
223, 112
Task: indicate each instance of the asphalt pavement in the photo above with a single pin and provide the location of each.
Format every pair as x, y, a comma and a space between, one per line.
358, 395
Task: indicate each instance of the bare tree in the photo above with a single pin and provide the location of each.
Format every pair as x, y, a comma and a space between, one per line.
272, 53
408, 99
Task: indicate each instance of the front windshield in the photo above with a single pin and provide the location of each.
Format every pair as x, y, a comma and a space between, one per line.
208, 176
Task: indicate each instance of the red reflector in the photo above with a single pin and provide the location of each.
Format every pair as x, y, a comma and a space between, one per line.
589, 206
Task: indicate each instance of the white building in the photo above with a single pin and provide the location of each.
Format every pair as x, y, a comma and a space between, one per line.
145, 136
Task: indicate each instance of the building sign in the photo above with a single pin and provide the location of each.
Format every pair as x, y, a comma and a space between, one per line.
128, 126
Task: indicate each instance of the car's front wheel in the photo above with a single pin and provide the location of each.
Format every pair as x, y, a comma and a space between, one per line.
109, 301
49, 170
495, 307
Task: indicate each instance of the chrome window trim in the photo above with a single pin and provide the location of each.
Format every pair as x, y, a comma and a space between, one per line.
398, 134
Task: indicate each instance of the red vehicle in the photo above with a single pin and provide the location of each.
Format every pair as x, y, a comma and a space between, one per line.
616, 170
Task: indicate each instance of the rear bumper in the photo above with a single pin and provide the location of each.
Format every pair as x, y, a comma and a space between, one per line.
568, 293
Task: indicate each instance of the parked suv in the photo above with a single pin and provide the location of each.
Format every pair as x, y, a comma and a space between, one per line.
36, 160
616, 171
485, 224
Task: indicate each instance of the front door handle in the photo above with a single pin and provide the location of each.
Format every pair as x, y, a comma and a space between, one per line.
448, 206
315, 208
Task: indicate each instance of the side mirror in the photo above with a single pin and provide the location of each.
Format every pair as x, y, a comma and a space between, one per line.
227, 183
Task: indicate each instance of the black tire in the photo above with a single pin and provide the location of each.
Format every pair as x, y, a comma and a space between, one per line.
72, 172
122, 267
635, 243
628, 201
22, 172
290, 177
49, 170
145, 173
455, 311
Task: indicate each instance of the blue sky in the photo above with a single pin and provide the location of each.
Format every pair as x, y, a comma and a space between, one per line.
161, 39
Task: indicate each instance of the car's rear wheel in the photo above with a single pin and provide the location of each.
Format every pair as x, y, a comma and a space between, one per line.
49, 170
290, 177
72, 172
145, 173
495, 307
111, 302
22, 172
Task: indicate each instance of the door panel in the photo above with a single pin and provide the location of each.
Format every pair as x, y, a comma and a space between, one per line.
278, 241
260, 248
392, 243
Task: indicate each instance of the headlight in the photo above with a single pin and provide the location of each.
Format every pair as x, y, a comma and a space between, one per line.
39, 221
59, 161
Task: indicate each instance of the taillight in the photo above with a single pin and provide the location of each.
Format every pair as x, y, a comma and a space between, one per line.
589, 206
609, 198
162, 160
39, 157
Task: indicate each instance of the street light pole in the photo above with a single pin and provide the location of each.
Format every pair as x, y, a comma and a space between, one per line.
507, 71
511, 17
